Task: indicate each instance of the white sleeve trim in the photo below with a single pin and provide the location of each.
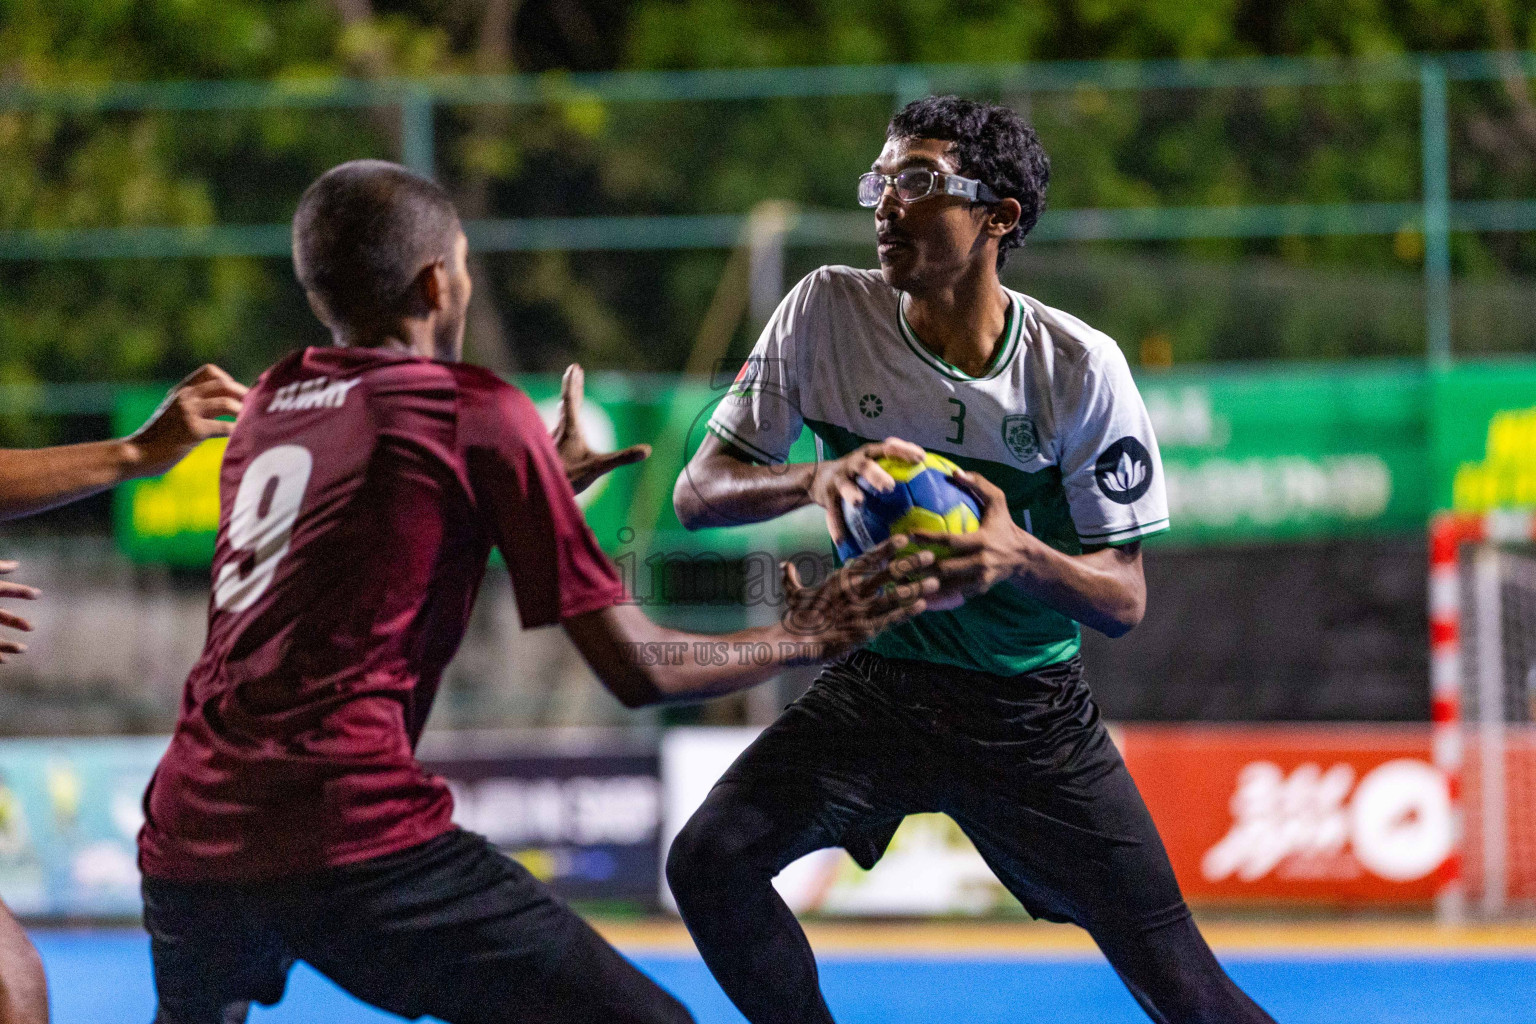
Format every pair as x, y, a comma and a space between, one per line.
1125, 533
729, 436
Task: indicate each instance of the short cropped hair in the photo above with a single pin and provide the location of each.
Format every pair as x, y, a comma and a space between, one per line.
993, 144
363, 232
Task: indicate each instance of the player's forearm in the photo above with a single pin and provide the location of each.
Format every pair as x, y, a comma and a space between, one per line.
1104, 589
693, 666
643, 663
41, 478
718, 490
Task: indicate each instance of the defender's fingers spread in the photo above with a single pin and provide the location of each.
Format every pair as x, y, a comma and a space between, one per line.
197, 376
233, 386
20, 590
913, 563
873, 585
572, 387
8, 566
214, 389
634, 453
790, 577
14, 621
953, 543
881, 553
212, 408
12, 647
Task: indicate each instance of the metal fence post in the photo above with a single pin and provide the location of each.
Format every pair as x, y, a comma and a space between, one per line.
1437, 220
416, 141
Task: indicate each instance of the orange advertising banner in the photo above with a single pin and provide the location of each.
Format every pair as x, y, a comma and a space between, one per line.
1343, 815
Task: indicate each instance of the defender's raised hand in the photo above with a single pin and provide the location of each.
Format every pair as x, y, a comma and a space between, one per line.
35, 479
583, 466
187, 418
10, 619
870, 593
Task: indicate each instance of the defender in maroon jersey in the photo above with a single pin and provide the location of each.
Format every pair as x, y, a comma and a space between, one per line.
362, 491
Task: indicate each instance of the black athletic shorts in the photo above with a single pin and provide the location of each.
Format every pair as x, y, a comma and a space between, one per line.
450, 928
1023, 764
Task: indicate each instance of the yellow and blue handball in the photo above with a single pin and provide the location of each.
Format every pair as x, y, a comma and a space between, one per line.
924, 498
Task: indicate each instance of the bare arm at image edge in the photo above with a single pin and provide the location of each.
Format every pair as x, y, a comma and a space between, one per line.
34, 480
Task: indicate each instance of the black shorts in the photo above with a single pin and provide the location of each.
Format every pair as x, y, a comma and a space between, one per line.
1023, 764
450, 928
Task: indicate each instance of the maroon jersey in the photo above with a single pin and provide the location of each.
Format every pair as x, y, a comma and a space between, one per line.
360, 496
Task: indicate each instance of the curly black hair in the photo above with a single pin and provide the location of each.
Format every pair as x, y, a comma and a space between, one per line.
993, 144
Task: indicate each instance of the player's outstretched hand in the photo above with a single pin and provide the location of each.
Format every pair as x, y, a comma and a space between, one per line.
583, 466
868, 594
10, 619
978, 560
188, 417
840, 478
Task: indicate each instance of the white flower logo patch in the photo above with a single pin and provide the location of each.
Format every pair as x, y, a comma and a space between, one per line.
1124, 471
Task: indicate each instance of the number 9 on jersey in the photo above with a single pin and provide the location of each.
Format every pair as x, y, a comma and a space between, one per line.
261, 524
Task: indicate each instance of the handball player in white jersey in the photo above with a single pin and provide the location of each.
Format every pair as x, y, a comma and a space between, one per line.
980, 712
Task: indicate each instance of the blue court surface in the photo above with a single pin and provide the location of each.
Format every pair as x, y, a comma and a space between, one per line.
103, 977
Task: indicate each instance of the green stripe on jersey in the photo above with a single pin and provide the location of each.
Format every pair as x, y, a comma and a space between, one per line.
1013, 330
1003, 631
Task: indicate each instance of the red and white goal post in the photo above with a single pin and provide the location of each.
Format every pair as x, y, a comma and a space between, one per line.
1482, 624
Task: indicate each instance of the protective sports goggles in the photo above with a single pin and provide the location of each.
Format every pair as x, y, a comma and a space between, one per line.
916, 183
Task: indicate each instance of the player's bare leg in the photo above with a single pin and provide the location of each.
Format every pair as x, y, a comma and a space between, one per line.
23, 988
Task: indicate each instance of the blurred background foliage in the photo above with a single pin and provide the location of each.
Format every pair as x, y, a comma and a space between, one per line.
1190, 301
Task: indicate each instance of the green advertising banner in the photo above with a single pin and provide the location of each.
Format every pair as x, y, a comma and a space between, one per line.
1279, 452
1484, 437
1290, 452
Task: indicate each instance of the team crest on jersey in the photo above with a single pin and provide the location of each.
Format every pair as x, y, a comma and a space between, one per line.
871, 406
1124, 471
1021, 438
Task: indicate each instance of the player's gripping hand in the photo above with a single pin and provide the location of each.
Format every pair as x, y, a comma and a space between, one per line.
979, 560
868, 594
10, 619
583, 466
188, 417
840, 478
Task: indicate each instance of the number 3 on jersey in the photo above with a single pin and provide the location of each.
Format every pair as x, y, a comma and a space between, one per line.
261, 523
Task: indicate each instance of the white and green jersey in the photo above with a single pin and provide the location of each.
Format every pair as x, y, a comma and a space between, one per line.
1055, 421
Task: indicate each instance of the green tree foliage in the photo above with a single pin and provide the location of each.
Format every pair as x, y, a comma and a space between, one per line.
1255, 298
574, 156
